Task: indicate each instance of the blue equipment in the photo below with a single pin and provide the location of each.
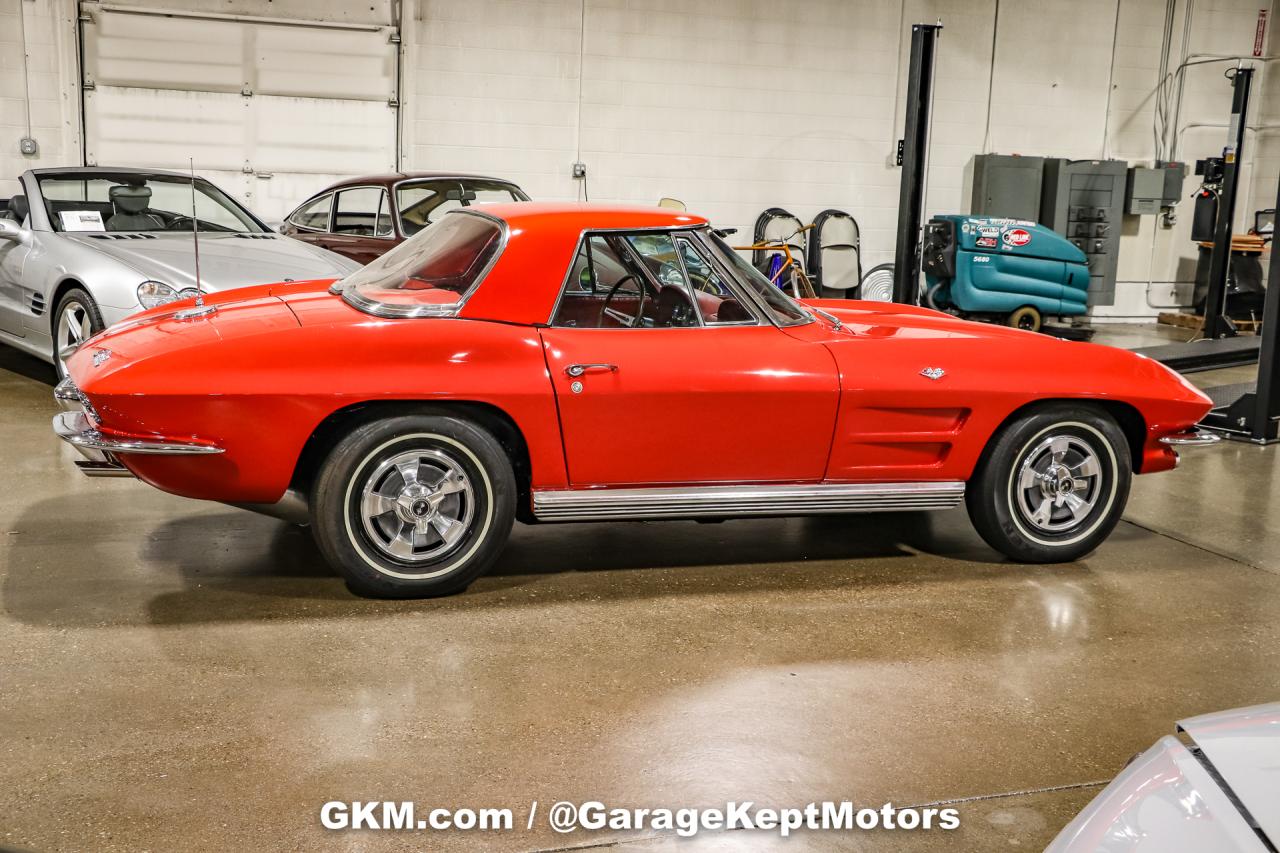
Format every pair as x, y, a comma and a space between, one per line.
1009, 270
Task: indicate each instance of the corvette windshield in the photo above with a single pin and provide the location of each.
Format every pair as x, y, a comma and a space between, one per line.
133, 201
429, 273
785, 310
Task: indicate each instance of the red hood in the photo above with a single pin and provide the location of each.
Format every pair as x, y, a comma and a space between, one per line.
241, 313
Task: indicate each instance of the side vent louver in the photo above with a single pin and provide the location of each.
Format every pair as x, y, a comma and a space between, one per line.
256, 236
35, 303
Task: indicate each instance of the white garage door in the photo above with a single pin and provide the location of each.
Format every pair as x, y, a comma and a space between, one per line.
270, 110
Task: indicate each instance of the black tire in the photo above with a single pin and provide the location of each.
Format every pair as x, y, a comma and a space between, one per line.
1006, 502
1027, 317
435, 445
77, 300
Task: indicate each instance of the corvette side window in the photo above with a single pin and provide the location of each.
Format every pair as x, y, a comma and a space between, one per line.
716, 300
610, 285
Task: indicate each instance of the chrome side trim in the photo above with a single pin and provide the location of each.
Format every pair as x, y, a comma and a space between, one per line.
75, 429
734, 501
1191, 438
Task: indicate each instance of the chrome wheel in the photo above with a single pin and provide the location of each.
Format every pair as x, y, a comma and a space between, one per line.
1058, 484
75, 326
416, 506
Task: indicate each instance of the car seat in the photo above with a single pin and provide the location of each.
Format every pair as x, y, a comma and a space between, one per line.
674, 308
130, 205
835, 255
17, 209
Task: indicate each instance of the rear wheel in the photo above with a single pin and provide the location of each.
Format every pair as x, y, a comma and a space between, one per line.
75, 320
414, 506
1027, 317
1052, 485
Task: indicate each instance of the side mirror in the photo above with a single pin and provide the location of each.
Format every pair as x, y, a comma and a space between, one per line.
13, 232
672, 203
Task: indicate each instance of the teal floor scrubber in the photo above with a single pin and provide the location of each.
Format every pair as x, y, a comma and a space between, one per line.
1007, 271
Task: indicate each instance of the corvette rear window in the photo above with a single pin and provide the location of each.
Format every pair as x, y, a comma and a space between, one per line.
430, 273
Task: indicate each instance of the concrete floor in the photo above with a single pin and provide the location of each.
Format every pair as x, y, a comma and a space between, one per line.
184, 676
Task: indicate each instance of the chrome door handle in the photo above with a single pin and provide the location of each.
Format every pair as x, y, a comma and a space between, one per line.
576, 370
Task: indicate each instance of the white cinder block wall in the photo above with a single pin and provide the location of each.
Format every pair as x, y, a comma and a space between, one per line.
45, 83
739, 105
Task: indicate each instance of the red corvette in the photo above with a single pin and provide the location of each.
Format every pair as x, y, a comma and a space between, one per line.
590, 363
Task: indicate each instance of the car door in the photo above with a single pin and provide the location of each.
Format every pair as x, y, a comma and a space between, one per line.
13, 255
361, 227
664, 378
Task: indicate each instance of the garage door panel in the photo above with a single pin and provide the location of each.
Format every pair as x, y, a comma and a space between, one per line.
140, 49
151, 51
322, 63
309, 136
163, 129
271, 110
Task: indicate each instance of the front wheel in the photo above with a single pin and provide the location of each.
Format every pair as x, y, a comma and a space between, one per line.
1052, 485
75, 320
1027, 318
414, 505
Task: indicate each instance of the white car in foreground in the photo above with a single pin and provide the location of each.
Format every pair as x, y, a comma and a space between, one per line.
1215, 790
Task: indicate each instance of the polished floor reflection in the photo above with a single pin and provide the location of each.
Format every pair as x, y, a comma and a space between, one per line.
179, 675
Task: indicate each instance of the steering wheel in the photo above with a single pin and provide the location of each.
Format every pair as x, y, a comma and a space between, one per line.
630, 322
179, 223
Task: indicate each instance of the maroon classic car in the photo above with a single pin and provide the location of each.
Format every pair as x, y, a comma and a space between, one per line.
363, 218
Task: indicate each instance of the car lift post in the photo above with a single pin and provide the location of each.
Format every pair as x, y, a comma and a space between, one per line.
1266, 396
1216, 322
1250, 411
913, 152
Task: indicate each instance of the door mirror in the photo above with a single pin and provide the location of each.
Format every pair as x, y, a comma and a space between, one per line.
13, 232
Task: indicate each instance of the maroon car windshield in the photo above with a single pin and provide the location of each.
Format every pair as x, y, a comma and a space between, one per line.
430, 274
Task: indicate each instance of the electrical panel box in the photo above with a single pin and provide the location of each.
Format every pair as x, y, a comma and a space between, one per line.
1144, 192
1007, 185
1084, 201
1174, 173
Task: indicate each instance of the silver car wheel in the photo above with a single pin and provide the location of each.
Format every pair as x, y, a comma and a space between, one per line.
417, 506
75, 326
1058, 483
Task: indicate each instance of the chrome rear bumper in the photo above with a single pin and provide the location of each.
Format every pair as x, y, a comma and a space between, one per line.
1191, 438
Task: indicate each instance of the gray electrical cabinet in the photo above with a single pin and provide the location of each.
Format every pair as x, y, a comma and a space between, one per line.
1145, 191
1083, 200
1007, 185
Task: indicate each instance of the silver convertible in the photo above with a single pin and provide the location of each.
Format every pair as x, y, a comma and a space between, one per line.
83, 248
